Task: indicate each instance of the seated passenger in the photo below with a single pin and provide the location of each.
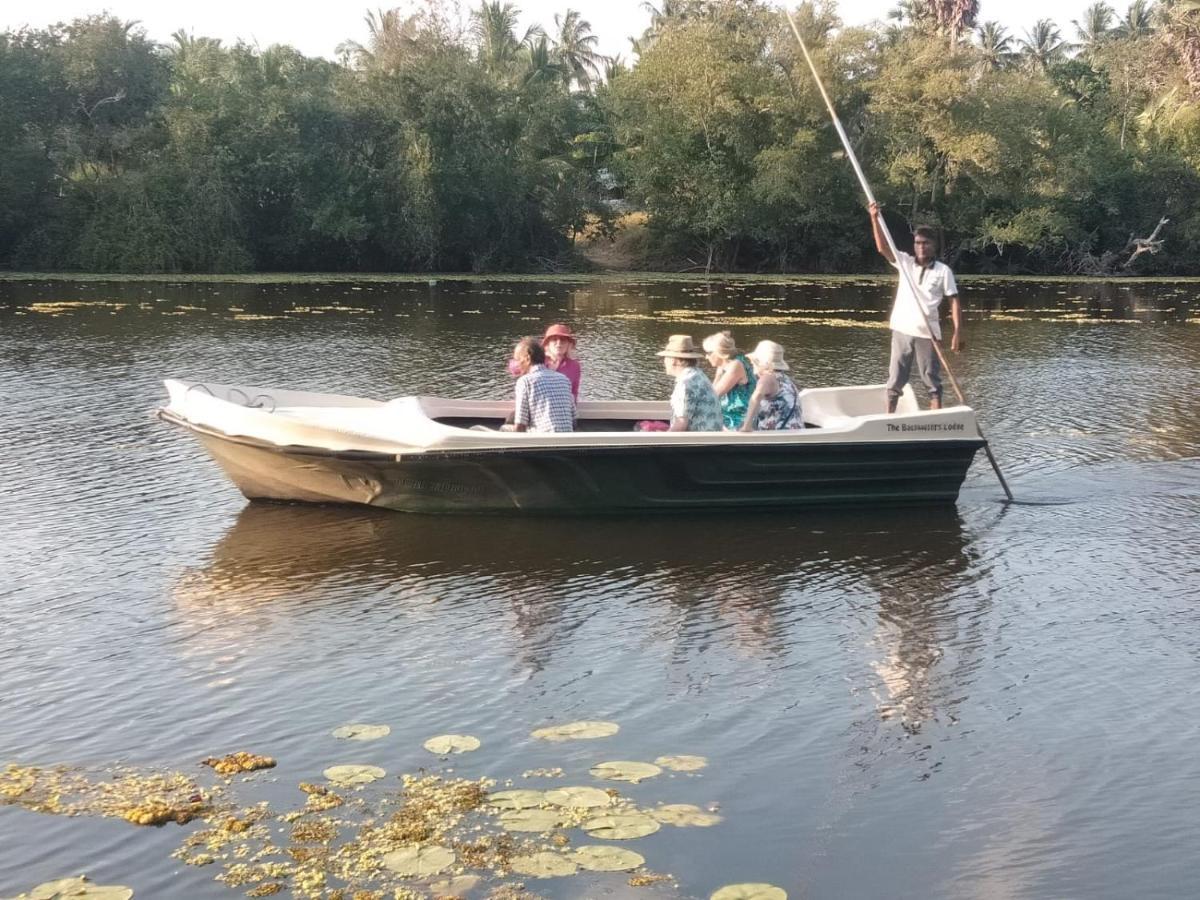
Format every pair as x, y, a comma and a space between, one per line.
543, 397
733, 379
775, 403
694, 403
559, 344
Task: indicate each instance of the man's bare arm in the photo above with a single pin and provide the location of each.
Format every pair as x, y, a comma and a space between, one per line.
956, 320
881, 243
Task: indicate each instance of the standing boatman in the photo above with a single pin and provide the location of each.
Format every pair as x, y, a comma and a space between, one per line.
914, 319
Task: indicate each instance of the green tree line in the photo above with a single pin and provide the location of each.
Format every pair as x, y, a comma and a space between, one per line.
447, 145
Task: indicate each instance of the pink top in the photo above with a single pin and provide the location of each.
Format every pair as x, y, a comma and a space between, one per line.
570, 368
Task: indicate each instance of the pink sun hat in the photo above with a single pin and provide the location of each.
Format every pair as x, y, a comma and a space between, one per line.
559, 331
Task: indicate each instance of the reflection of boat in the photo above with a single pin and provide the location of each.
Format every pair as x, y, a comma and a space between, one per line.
425, 454
277, 549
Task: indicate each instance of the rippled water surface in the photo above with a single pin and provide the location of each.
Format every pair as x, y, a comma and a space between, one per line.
985, 701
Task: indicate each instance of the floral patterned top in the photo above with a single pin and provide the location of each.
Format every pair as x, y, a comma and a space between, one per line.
737, 399
783, 410
695, 400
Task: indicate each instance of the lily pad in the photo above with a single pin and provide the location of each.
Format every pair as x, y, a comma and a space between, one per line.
349, 776
519, 799
577, 731
415, 860
458, 886
600, 858
752, 891
625, 770
684, 815
543, 865
360, 732
578, 797
445, 744
621, 827
71, 888
682, 763
530, 820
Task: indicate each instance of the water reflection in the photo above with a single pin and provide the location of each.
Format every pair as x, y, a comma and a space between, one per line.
919, 617
747, 583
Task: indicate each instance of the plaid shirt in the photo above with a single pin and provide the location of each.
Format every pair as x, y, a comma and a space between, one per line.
544, 401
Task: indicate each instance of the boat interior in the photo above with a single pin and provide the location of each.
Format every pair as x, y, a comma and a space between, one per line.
823, 408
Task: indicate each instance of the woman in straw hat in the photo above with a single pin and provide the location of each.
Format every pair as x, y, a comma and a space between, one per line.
694, 403
775, 403
559, 344
733, 379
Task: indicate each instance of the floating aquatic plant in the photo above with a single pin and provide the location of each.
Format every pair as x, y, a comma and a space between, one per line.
750, 891
540, 820
517, 799
77, 889
416, 861
351, 775
236, 763
625, 770
380, 839
683, 815
621, 826
138, 797
360, 732
458, 886
578, 797
682, 763
546, 864
599, 858
577, 731
445, 744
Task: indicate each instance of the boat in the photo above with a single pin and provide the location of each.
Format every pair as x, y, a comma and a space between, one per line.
426, 454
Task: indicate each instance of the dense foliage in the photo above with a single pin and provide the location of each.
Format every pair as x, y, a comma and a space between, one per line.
444, 146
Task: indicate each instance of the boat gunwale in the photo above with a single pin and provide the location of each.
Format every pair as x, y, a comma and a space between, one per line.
574, 448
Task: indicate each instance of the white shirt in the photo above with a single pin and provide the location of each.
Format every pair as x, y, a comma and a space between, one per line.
934, 282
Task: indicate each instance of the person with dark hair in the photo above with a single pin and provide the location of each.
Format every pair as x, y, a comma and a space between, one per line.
543, 396
915, 319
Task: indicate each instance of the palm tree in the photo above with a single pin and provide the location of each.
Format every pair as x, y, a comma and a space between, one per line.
663, 16
669, 11
995, 45
391, 39
912, 13
1094, 28
1138, 21
1043, 45
576, 48
614, 67
541, 63
955, 17
1181, 26
494, 25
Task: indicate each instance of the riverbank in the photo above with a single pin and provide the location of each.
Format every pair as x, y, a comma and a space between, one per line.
601, 277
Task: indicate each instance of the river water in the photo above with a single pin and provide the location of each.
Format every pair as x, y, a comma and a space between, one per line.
983, 701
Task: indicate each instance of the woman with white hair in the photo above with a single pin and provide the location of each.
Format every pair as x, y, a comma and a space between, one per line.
775, 403
733, 378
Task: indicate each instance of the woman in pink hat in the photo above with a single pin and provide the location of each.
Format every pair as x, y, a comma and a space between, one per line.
559, 344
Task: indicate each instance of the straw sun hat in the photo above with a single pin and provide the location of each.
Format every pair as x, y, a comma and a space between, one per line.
769, 355
680, 346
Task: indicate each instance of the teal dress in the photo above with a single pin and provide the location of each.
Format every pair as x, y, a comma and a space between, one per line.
735, 403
